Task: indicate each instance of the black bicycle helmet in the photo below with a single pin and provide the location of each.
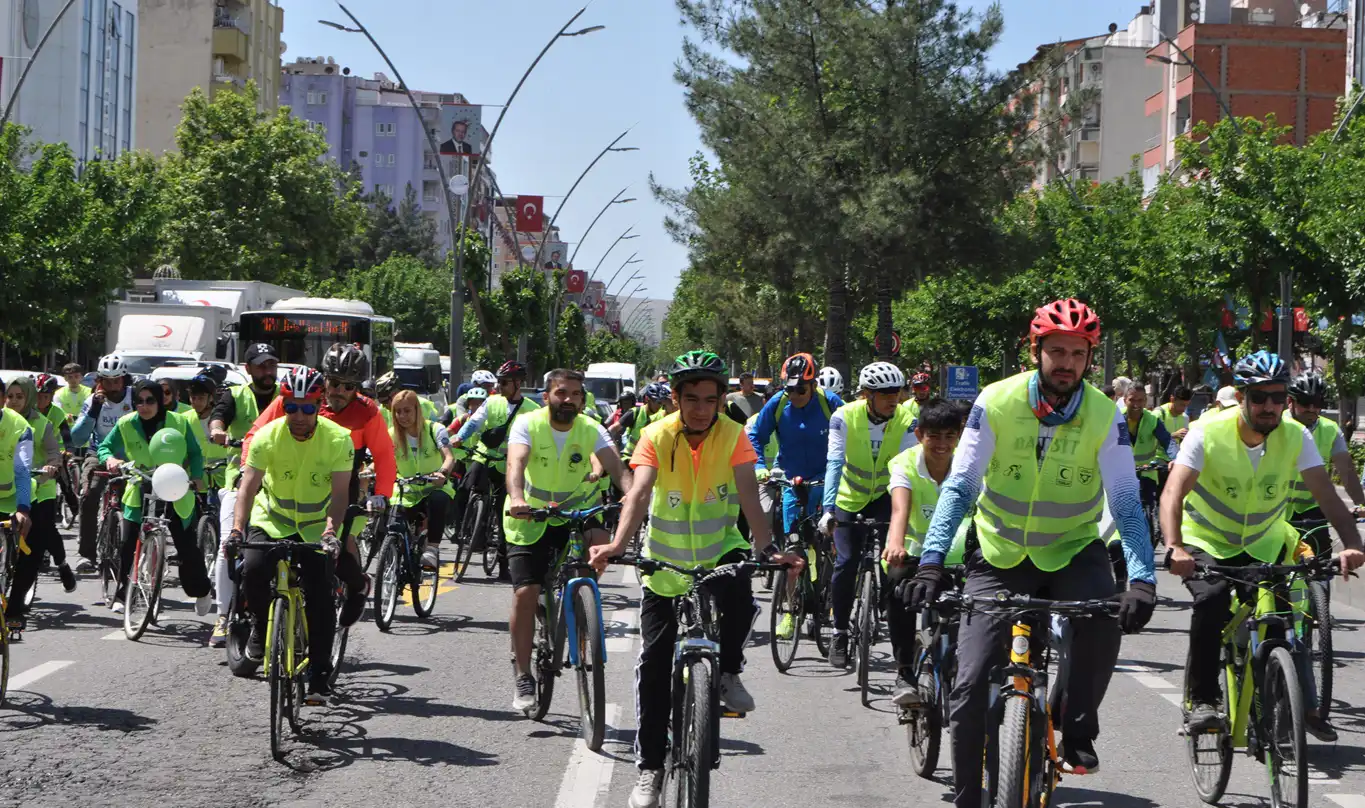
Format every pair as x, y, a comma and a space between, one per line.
1262, 367
347, 362
387, 385
695, 365
1308, 387
203, 383
512, 369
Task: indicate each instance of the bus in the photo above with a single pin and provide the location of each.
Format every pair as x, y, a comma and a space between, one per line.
301, 329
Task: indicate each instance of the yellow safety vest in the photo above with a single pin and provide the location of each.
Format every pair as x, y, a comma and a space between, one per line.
1045, 514
244, 402
212, 452
693, 514
924, 494
553, 474
643, 418
1324, 434
137, 449
864, 478
297, 489
41, 424
426, 459
1144, 441
1173, 423
498, 408
71, 400
911, 406
1233, 508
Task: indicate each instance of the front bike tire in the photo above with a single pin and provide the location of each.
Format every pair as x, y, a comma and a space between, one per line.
547, 656
922, 731
281, 692
425, 585
592, 675
139, 595
1012, 783
464, 551
867, 627
822, 622
343, 634
1283, 731
787, 601
107, 544
692, 773
386, 584
1210, 753
1319, 642
238, 631
206, 537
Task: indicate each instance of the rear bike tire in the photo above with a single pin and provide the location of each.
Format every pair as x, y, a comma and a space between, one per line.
386, 584
206, 537
822, 623
692, 774
425, 586
1012, 783
281, 693
464, 551
548, 655
922, 731
867, 627
592, 675
139, 595
1210, 753
1282, 711
1319, 642
343, 633
107, 549
4, 658
785, 604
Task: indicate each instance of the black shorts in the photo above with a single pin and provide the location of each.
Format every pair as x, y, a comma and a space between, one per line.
530, 564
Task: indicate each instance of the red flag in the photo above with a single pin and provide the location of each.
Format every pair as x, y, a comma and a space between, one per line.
529, 214
1300, 320
574, 281
601, 310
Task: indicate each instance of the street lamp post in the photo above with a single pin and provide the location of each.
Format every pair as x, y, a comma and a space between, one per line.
637, 276
615, 200
639, 317
631, 260
626, 235
639, 309
32, 59
637, 290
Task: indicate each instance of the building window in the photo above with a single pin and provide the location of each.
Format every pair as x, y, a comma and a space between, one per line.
391, 159
383, 129
317, 97
385, 189
317, 126
429, 161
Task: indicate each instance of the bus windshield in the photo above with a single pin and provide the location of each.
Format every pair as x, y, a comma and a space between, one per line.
303, 339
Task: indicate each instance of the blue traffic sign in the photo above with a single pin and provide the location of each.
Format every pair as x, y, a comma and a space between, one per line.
963, 382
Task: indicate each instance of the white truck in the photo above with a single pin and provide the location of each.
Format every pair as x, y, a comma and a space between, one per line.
149, 335
236, 296
418, 365
606, 380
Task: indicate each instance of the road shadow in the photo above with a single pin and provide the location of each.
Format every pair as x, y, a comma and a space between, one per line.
1067, 795
1336, 760
442, 624
733, 747
1156, 665
387, 667
48, 615
25, 710
176, 634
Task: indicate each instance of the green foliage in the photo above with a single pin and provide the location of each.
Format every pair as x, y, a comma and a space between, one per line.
415, 294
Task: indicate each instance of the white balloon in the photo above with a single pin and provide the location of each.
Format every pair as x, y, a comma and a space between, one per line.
170, 482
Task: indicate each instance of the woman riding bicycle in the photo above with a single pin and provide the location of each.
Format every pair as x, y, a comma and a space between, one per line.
423, 447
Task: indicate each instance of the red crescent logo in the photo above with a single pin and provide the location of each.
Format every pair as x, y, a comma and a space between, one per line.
528, 210
203, 302
165, 328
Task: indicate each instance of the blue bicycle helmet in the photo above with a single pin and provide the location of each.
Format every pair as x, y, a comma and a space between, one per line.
1262, 367
657, 391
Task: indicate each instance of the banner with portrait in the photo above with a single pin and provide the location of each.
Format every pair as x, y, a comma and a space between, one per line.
461, 129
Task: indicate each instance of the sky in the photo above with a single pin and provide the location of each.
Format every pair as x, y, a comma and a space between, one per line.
589, 89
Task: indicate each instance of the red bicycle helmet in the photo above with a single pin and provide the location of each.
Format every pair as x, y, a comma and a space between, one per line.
46, 383
301, 383
512, 370
1068, 316
920, 379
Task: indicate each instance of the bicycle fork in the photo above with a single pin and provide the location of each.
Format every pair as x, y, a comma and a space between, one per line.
687, 651
569, 604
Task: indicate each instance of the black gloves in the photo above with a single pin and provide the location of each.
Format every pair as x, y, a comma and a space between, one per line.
1136, 606
924, 587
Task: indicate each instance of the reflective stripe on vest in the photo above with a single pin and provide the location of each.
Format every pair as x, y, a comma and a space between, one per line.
1044, 514
1234, 508
12, 428
1144, 441
924, 494
296, 486
1324, 434
865, 478
553, 474
425, 459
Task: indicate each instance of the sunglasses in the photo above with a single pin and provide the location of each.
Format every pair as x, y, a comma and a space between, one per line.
340, 385
145, 400
306, 409
800, 389
1316, 403
1259, 397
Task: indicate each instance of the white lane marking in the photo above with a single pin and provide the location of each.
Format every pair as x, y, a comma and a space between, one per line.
1347, 800
1152, 681
113, 635
28, 677
588, 777
1134, 667
1178, 699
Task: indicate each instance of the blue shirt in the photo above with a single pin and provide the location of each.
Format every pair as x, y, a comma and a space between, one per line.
802, 435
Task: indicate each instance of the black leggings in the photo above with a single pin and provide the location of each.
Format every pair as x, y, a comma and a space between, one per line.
194, 578
42, 537
437, 505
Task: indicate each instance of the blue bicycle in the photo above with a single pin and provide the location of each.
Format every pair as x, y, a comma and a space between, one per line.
570, 611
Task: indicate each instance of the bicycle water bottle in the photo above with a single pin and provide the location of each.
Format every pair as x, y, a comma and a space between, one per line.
575, 545
811, 565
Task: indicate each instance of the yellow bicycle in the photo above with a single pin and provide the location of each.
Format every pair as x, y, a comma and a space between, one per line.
8, 546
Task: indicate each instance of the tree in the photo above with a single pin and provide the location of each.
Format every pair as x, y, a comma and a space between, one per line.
401, 229
415, 295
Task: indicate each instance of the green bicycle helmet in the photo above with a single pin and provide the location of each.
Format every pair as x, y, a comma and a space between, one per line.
695, 365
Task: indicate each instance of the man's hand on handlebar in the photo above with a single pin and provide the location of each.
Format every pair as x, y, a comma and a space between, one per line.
1180, 562
599, 555
1350, 560
112, 464
219, 437
517, 508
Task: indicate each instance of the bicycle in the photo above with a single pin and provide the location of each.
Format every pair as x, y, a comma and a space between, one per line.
107, 538
5, 629
206, 527
69, 483
1261, 691
694, 725
570, 613
1151, 511
142, 591
481, 526
1316, 629
864, 622
804, 597
935, 669
400, 561
286, 639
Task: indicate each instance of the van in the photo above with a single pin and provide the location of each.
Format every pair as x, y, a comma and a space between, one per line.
418, 366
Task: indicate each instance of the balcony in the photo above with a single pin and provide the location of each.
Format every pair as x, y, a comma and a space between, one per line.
229, 43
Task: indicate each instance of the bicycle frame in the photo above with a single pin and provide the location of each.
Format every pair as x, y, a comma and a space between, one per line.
1263, 614
288, 589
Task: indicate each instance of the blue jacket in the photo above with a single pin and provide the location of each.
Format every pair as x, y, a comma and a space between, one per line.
802, 435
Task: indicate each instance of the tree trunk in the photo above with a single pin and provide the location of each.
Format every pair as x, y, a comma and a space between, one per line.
885, 342
836, 324
1346, 396
1191, 369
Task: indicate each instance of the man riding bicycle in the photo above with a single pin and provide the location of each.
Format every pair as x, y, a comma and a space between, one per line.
1307, 397
694, 471
112, 399
296, 482
658, 399
1249, 458
491, 424
1174, 417
1040, 451
864, 436
71, 397
548, 461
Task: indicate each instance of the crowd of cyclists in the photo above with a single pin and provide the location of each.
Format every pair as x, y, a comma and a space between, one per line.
1045, 486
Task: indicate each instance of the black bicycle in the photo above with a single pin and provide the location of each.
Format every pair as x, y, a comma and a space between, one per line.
864, 622
800, 601
481, 525
934, 671
694, 726
400, 559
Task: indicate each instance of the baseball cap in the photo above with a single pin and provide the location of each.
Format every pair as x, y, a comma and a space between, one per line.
259, 352
1227, 396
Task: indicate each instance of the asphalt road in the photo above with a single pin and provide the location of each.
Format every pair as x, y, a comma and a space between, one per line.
424, 717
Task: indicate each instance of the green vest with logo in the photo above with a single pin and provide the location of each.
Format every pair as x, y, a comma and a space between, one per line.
923, 499
864, 477
296, 489
1046, 514
136, 448
424, 459
1144, 441
41, 425
1173, 423
244, 402
1324, 433
554, 474
12, 428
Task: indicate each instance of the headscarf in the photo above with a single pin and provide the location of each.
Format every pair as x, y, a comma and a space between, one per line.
150, 425
25, 382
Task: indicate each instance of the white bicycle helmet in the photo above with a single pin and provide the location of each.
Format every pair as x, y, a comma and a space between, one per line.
829, 379
111, 367
483, 377
476, 394
881, 377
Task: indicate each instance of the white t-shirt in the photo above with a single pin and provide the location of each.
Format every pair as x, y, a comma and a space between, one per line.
899, 479
520, 435
1192, 450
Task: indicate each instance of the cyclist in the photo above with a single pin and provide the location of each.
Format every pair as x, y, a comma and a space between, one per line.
471, 401
491, 424
170, 392
657, 406
624, 404
864, 436
1255, 456
459, 409
131, 439
1307, 396
73, 395
423, 447
548, 461
1149, 437
1174, 417
21, 397
202, 389
16, 483
919, 393
1225, 400
111, 400
296, 481
1049, 446
916, 475
687, 528
831, 380
48, 387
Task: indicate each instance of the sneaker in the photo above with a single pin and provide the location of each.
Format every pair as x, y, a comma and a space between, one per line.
117, 606
218, 638
905, 694
319, 689
647, 788
1079, 754
203, 605
785, 627
525, 697
733, 695
431, 558
255, 644
838, 650
85, 565
1319, 728
1203, 717
68, 577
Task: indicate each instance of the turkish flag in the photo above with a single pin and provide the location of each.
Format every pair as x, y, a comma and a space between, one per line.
601, 310
575, 281
1300, 320
529, 214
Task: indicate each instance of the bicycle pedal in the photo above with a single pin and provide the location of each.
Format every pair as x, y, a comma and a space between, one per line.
732, 714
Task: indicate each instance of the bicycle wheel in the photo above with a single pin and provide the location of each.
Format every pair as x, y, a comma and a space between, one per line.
4, 658
822, 620
343, 634
544, 658
1318, 639
1210, 752
786, 607
239, 630
424, 587
107, 544
592, 675
1012, 783
1282, 731
464, 550
692, 774
300, 671
206, 537
139, 595
386, 584
280, 692
922, 730
866, 613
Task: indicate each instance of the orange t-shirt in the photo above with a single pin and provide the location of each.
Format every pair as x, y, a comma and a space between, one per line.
644, 454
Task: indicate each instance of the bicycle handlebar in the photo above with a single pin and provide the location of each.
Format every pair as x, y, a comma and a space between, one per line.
700, 575
1155, 465
553, 512
1315, 567
782, 481
1006, 601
